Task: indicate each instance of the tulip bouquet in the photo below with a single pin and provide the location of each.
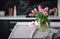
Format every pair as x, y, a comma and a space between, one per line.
41, 16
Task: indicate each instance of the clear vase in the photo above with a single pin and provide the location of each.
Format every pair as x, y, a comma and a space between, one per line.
43, 27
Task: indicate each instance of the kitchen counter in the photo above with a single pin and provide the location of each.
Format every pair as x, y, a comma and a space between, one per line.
25, 18
24, 31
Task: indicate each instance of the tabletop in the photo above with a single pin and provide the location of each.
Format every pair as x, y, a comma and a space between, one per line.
22, 30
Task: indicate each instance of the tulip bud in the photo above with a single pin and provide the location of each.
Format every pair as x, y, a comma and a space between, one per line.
46, 9
33, 11
30, 14
45, 13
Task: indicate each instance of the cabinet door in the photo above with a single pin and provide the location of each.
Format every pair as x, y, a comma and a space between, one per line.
11, 25
4, 31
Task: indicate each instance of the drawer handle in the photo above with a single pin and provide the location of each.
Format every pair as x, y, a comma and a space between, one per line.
11, 29
13, 22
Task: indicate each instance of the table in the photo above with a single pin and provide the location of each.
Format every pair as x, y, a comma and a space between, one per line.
22, 30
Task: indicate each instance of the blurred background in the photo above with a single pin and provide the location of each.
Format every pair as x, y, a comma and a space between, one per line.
23, 7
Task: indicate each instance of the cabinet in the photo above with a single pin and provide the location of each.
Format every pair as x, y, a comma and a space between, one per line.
6, 26
11, 25
4, 29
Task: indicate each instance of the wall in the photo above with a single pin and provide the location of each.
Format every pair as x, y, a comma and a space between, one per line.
59, 8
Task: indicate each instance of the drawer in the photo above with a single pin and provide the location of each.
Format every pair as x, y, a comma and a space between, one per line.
11, 25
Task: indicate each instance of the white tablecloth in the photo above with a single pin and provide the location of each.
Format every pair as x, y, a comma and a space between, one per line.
22, 30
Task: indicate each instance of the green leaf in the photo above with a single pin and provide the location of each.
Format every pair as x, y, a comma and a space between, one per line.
41, 18
37, 19
48, 21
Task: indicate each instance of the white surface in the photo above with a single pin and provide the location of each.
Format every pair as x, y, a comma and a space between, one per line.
52, 24
26, 24
40, 34
55, 24
22, 30
24, 18
52, 31
22, 23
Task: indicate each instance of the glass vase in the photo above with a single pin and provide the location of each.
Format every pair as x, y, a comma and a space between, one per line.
43, 27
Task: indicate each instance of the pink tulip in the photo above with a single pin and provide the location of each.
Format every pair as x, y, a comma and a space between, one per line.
40, 9
30, 14
46, 9
33, 22
33, 11
39, 6
45, 13
50, 11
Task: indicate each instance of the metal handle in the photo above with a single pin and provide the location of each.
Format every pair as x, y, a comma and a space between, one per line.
13, 22
11, 29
